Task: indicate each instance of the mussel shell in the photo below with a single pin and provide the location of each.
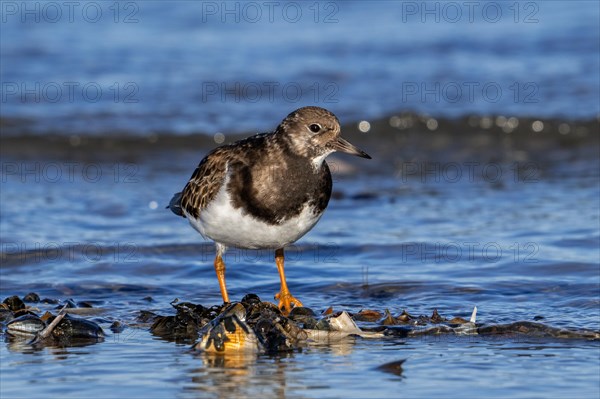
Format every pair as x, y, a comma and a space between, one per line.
28, 324
74, 327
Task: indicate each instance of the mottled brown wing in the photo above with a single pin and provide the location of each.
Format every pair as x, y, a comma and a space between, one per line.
205, 182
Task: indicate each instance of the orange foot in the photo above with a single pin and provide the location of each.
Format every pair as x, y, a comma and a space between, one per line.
286, 300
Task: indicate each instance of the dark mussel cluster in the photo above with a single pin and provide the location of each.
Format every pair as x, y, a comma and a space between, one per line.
22, 322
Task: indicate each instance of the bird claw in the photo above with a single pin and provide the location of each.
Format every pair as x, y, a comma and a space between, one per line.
286, 300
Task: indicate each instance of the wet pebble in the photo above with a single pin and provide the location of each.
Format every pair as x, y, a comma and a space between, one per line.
31, 297
14, 303
69, 303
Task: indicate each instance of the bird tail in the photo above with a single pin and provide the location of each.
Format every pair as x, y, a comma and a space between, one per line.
175, 205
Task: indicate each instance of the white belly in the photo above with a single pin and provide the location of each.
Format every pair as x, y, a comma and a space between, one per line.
231, 227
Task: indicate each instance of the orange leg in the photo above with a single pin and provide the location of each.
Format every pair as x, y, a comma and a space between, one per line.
286, 300
220, 269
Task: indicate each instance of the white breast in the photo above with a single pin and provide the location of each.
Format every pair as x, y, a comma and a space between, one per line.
224, 224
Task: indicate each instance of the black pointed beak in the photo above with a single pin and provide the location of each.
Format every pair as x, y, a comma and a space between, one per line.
345, 146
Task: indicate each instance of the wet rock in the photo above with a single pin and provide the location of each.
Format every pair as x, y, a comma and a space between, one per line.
50, 301
69, 303
84, 304
14, 303
148, 299
31, 297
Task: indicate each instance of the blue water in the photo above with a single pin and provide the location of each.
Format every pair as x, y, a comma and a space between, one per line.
522, 251
88, 221
188, 66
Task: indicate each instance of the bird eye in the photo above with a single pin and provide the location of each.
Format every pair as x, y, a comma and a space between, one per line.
314, 128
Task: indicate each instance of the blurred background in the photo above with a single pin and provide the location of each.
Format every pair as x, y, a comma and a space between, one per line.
203, 67
482, 119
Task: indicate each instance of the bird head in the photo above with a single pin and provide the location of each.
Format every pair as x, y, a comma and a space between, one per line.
314, 132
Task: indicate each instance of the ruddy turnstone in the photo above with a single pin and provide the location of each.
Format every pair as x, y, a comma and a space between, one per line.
266, 191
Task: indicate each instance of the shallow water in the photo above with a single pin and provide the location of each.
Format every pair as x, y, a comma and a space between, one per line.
517, 248
454, 211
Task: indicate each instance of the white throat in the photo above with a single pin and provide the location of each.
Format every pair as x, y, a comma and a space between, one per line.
318, 161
